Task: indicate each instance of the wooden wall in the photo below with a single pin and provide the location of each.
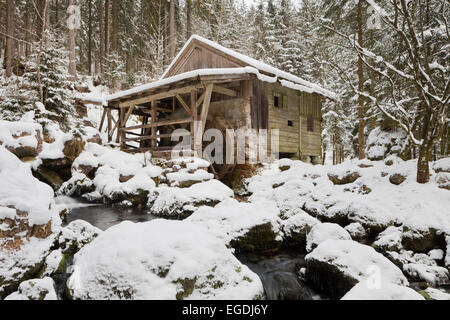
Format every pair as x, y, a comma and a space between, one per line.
291, 119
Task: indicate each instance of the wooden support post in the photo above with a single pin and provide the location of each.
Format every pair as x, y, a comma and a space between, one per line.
119, 124
109, 125
203, 117
194, 113
102, 121
154, 120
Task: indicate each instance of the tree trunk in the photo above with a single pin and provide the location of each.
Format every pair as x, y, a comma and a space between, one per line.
423, 165
172, 46
102, 35
361, 111
90, 36
188, 19
9, 51
72, 55
40, 17
107, 26
115, 27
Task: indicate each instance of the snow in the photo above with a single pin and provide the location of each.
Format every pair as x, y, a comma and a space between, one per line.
78, 233
386, 291
260, 66
298, 222
390, 239
447, 257
52, 262
172, 200
154, 260
357, 261
436, 254
307, 187
18, 185
26, 127
182, 176
230, 219
434, 275
37, 289
356, 230
54, 150
325, 231
436, 294
442, 165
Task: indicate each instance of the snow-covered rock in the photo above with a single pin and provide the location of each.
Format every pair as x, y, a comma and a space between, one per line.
54, 263
382, 143
443, 180
37, 289
437, 254
325, 231
434, 275
335, 266
180, 203
404, 257
296, 228
442, 165
243, 226
27, 228
22, 138
424, 232
356, 230
160, 260
435, 294
383, 291
389, 240
447, 257
76, 235
184, 172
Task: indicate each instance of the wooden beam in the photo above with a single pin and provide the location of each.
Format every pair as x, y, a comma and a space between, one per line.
159, 124
102, 121
154, 120
109, 125
159, 136
194, 111
127, 116
200, 100
203, 116
224, 91
158, 96
185, 106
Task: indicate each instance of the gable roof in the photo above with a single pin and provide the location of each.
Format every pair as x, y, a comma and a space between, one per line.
286, 79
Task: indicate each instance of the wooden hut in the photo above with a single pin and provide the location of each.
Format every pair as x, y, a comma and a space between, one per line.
223, 89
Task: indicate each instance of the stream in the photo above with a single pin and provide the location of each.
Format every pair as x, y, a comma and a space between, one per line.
279, 274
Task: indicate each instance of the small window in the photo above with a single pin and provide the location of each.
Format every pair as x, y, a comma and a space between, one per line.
276, 101
310, 123
290, 123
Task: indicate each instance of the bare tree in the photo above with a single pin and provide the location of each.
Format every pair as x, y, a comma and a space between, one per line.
10, 36
172, 45
71, 45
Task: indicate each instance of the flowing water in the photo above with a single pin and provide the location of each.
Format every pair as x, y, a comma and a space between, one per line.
279, 274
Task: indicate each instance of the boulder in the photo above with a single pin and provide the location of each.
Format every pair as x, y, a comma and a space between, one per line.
404, 257
76, 235
27, 228
433, 275
77, 186
420, 239
22, 138
49, 177
389, 240
397, 179
163, 260
384, 291
442, 165
54, 263
247, 227
296, 228
443, 180
346, 178
435, 294
180, 203
36, 289
356, 231
325, 231
336, 266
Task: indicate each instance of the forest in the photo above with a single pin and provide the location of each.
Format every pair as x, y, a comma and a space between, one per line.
372, 208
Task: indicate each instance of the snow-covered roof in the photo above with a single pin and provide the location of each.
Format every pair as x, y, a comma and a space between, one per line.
304, 85
263, 71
